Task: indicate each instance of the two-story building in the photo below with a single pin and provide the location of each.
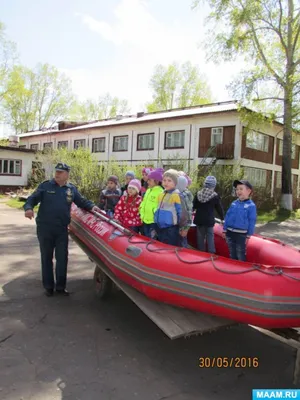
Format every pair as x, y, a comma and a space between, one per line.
200, 134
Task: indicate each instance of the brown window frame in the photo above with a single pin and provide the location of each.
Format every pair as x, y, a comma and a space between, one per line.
62, 141
79, 140
165, 141
116, 137
145, 134
93, 145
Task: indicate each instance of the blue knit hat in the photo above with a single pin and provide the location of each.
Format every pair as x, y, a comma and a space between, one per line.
131, 174
210, 182
182, 183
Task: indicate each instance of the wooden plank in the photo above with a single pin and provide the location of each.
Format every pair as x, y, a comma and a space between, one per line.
173, 321
291, 337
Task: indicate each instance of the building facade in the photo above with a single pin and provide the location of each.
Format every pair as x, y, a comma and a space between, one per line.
202, 135
15, 167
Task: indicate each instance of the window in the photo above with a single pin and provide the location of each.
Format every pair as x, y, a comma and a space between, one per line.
120, 143
257, 141
145, 141
280, 149
278, 180
10, 167
79, 143
48, 145
98, 145
256, 176
34, 146
174, 140
62, 144
22, 146
216, 136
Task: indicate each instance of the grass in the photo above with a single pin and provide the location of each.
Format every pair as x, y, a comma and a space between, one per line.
277, 215
15, 203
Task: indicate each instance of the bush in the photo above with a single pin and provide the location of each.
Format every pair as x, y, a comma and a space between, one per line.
90, 175
87, 173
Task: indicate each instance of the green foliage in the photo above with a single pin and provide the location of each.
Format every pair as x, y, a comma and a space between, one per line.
178, 86
87, 173
266, 34
36, 99
4, 142
7, 59
93, 110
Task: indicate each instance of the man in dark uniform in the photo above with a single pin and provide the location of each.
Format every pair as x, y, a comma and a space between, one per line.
55, 198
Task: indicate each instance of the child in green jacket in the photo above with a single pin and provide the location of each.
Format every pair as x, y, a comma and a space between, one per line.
150, 202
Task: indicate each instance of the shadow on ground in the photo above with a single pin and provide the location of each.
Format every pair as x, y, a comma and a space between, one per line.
84, 348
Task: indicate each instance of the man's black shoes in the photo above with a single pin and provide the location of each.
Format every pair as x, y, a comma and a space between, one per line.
62, 292
49, 292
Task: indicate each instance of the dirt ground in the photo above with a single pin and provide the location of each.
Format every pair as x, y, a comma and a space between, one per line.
81, 348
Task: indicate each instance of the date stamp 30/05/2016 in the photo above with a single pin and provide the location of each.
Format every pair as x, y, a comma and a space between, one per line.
228, 362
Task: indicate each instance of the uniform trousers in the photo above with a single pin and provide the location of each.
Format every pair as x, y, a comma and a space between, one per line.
53, 239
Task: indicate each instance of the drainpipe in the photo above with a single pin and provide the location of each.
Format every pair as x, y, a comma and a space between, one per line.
189, 162
131, 146
108, 150
158, 147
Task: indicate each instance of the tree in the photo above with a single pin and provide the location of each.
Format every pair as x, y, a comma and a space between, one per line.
267, 34
36, 99
104, 107
178, 86
7, 58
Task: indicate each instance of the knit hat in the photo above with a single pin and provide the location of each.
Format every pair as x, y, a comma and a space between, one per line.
173, 174
156, 174
147, 170
182, 183
136, 184
113, 178
210, 182
131, 174
187, 177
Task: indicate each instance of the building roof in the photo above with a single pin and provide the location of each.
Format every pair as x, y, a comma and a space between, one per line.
147, 117
17, 149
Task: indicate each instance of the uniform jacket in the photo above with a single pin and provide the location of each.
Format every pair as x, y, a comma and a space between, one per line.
149, 204
127, 211
168, 212
205, 202
55, 203
186, 218
109, 199
241, 217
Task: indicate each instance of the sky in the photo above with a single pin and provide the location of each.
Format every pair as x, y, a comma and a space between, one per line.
113, 46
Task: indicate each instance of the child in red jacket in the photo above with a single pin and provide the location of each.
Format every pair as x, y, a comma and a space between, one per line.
127, 209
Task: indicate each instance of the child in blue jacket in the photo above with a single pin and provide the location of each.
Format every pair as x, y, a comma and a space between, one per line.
240, 220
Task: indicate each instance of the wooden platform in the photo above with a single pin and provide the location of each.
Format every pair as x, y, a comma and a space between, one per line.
173, 321
177, 322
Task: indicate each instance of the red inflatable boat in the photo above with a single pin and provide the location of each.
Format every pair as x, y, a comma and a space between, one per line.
264, 291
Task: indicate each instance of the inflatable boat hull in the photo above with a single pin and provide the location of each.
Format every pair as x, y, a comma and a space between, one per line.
257, 294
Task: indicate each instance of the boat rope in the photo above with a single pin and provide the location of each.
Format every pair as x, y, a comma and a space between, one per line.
277, 270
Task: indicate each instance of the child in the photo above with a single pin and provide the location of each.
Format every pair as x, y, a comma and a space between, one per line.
205, 202
150, 202
110, 196
187, 177
128, 177
187, 209
144, 181
168, 214
127, 209
240, 220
